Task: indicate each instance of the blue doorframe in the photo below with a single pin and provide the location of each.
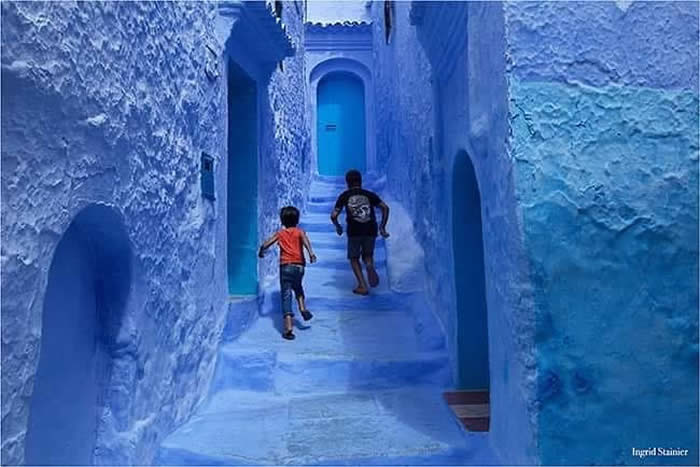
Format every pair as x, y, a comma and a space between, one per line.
242, 186
340, 126
470, 283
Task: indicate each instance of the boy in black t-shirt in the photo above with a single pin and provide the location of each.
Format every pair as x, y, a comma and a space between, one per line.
362, 228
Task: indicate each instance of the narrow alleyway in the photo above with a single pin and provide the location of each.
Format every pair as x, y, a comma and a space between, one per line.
356, 386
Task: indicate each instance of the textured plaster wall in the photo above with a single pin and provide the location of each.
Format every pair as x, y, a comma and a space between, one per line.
603, 112
109, 103
423, 128
286, 141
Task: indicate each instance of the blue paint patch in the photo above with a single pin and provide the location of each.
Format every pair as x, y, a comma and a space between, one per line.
549, 386
610, 176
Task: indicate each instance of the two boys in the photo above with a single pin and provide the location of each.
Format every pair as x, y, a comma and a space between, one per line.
362, 230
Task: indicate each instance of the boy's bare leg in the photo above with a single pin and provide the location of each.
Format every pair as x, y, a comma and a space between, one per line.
306, 314
288, 323
357, 269
372, 275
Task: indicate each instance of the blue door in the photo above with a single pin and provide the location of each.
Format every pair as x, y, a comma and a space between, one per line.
470, 283
242, 187
341, 124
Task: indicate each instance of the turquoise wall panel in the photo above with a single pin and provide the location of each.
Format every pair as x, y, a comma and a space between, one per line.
242, 202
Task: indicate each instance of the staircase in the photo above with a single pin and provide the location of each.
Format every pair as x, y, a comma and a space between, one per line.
357, 386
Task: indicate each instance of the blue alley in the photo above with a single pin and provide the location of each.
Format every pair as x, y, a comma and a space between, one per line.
538, 289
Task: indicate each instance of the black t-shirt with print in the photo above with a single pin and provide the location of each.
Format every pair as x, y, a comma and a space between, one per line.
359, 207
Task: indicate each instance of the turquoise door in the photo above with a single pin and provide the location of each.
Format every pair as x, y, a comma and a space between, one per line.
242, 187
470, 283
341, 124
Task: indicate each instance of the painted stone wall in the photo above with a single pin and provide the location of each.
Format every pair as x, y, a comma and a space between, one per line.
111, 104
603, 112
285, 144
428, 115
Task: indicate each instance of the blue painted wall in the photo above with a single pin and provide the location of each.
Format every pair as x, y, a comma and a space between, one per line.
101, 105
341, 124
468, 260
88, 286
427, 117
604, 118
242, 187
582, 123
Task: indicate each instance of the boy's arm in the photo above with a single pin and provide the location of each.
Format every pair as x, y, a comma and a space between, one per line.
385, 218
267, 244
307, 244
334, 219
334, 215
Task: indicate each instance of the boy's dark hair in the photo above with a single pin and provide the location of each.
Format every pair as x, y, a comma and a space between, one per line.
289, 215
353, 178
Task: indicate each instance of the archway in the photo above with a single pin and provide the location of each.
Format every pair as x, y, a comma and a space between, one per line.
86, 295
242, 186
470, 284
341, 124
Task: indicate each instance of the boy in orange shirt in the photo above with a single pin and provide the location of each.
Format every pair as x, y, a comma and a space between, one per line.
292, 240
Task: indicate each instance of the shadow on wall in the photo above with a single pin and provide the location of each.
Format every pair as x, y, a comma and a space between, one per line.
88, 286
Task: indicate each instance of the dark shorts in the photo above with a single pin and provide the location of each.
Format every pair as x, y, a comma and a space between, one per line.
361, 246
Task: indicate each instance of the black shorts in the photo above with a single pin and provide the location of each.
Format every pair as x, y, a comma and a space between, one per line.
361, 246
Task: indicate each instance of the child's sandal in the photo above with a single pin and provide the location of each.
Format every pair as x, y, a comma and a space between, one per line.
289, 335
306, 314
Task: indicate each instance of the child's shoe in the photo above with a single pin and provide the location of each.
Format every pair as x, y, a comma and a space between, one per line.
289, 335
306, 314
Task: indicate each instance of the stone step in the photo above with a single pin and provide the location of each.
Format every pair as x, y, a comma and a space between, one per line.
401, 427
332, 239
320, 208
332, 253
326, 198
334, 351
281, 373
333, 282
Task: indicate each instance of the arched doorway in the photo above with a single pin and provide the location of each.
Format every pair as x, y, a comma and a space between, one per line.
88, 287
340, 125
470, 284
242, 186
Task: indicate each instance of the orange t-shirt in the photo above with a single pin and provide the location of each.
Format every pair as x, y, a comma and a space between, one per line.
291, 245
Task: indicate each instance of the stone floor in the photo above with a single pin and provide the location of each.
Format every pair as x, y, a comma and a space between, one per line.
356, 386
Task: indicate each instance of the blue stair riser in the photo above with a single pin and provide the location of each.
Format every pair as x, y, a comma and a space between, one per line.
175, 456
333, 245
377, 303
303, 376
328, 199
344, 263
316, 208
315, 227
443, 457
